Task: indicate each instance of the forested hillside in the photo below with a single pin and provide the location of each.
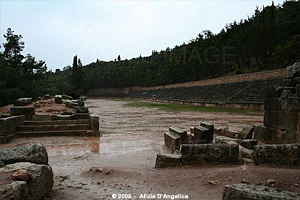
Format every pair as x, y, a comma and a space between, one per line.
268, 39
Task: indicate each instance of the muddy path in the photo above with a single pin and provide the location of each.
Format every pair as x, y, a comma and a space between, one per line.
122, 161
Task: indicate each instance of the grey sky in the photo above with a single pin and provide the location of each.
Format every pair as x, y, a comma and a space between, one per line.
55, 31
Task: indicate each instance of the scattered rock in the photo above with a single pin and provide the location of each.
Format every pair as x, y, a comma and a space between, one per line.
245, 181
271, 181
109, 172
21, 175
286, 93
294, 70
96, 169
47, 96
82, 109
244, 168
214, 182
23, 101
296, 185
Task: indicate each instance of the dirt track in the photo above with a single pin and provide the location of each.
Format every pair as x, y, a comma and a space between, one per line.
124, 157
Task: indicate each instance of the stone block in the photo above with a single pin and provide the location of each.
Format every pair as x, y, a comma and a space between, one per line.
167, 160
288, 120
20, 110
58, 99
41, 181
289, 82
286, 93
67, 97
245, 153
224, 139
298, 90
8, 127
35, 153
254, 192
208, 125
22, 101
247, 132
214, 153
222, 153
272, 104
94, 121
202, 135
248, 143
172, 140
280, 154
82, 109
293, 104
273, 92
15, 190
193, 153
181, 133
270, 135
293, 71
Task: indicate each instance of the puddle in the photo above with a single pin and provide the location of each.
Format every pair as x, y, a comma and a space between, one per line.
73, 149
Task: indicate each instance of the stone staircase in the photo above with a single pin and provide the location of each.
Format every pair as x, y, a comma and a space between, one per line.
64, 126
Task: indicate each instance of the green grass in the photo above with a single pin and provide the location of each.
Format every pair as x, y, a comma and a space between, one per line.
181, 107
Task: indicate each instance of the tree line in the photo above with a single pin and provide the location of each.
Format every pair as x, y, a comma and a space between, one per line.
269, 39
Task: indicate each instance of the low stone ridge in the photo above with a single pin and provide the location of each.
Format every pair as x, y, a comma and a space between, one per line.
255, 192
34, 153
280, 154
39, 185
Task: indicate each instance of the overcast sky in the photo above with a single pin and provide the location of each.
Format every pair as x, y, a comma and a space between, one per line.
56, 30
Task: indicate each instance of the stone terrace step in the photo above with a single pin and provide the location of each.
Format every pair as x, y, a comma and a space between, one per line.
55, 133
56, 122
53, 127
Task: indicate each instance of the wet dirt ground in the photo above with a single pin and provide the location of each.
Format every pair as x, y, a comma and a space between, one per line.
122, 161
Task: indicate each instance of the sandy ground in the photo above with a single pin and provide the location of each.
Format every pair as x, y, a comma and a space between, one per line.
121, 162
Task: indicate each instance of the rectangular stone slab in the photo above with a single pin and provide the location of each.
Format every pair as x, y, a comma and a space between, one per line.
172, 140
